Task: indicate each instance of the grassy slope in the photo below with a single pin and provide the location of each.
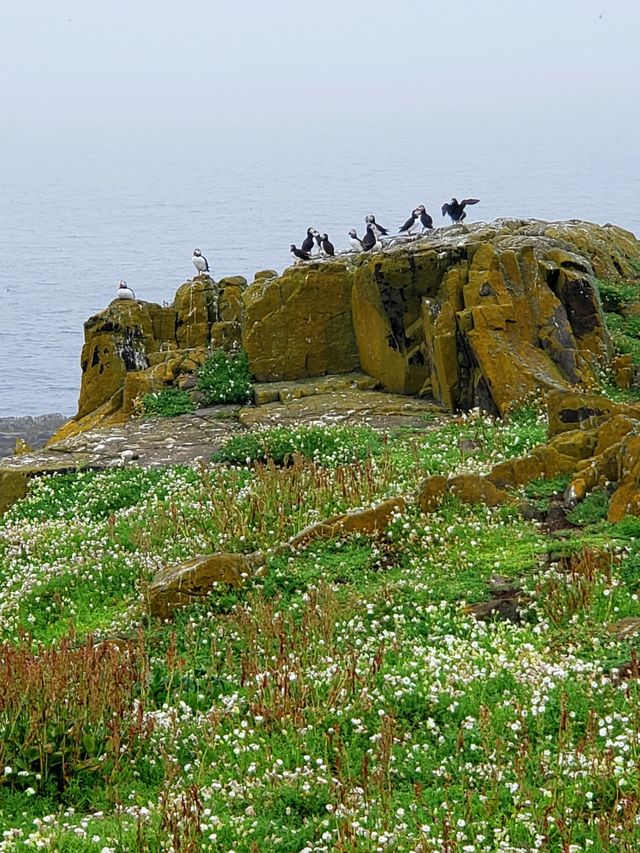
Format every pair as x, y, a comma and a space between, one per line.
349, 700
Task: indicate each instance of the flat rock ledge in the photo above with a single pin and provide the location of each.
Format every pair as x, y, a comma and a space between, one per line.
190, 439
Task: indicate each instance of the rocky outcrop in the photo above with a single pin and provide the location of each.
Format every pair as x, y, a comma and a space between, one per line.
595, 441
133, 347
487, 315
482, 315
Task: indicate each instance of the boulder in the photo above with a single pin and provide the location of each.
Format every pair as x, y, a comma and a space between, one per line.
176, 586
473, 489
365, 521
431, 493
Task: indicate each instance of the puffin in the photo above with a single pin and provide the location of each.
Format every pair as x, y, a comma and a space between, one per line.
410, 223
200, 262
455, 208
124, 291
380, 231
307, 244
317, 236
299, 254
371, 240
425, 220
355, 241
327, 246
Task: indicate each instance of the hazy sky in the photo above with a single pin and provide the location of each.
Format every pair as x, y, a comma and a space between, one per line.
110, 60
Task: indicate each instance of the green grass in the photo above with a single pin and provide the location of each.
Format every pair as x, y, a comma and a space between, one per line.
615, 294
167, 403
326, 445
346, 700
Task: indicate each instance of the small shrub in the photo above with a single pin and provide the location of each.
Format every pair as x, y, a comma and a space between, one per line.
326, 445
544, 488
592, 509
167, 403
225, 378
614, 294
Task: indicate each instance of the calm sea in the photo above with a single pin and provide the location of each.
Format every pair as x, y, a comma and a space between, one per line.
81, 208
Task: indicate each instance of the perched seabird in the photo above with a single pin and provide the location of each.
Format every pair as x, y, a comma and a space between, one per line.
124, 291
380, 231
200, 262
317, 236
355, 241
371, 241
409, 224
327, 246
307, 243
299, 254
425, 220
455, 208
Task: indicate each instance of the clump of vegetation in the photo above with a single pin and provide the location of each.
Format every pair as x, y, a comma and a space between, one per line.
592, 509
225, 378
167, 403
325, 445
625, 334
623, 325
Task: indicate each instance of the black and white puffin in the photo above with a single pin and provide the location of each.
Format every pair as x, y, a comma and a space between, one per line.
456, 209
299, 254
409, 224
307, 243
425, 220
380, 231
200, 262
354, 241
371, 241
327, 246
317, 236
124, 291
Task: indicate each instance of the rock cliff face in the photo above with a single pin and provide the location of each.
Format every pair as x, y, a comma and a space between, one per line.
479, 315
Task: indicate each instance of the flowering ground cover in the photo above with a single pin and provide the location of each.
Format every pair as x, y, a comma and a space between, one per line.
354, 698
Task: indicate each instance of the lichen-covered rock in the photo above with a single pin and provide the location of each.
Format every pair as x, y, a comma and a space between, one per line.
196, 306
116, 341
299, 324
431, 493
176, 586
473, 489
364, 521
572, 410
543, 461
230, 305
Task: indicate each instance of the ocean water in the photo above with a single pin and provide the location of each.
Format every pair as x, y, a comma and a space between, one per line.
84, 206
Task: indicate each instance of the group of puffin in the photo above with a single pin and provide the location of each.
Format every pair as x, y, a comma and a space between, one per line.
372, 239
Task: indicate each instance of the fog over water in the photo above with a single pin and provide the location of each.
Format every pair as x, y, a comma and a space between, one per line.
125, 143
